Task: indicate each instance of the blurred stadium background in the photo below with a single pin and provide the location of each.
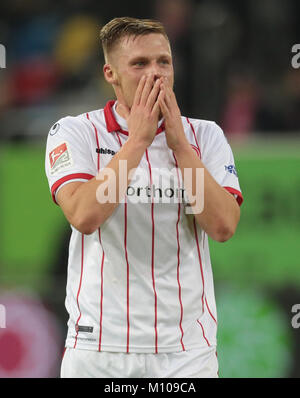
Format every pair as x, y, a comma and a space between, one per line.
233, 65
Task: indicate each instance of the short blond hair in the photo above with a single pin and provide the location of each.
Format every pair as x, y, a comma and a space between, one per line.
117, 28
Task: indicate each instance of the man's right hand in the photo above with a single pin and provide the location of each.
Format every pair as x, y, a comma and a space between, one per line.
142, 118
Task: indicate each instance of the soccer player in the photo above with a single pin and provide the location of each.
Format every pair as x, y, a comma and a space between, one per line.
142, 187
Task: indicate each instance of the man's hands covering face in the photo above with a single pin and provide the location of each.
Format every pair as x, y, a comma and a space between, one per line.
154, 98
142, 118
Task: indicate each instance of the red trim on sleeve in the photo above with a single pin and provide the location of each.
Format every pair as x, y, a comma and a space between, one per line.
58, 183
233, 191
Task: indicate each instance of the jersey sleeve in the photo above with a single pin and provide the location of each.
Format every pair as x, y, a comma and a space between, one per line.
218, 158
68, 155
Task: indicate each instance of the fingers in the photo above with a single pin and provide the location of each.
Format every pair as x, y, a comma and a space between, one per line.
170, 100
161, 100
169, 95
143, 90
147, 89
139, 91
165, 99
158, 104
153, 94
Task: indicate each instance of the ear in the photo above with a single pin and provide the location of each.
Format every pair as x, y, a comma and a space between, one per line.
109, 74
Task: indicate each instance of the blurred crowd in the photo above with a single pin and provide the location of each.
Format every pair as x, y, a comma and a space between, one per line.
232, 61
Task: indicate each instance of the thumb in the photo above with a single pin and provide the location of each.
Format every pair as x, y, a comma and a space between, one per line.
123, 110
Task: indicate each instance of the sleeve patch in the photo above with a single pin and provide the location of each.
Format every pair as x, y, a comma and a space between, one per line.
54, 129
231, 169
60, 158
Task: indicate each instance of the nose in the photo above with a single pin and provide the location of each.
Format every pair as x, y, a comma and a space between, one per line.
157, 75
155, 71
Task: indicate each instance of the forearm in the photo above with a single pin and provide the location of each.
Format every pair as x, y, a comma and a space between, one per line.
94, 201
220, 212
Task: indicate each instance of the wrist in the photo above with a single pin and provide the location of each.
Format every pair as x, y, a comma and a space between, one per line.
182, 147
137, 143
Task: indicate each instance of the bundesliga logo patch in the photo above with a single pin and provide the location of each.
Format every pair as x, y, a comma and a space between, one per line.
231, 169
60, 158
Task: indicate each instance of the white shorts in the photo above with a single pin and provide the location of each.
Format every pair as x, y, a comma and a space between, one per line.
198, 363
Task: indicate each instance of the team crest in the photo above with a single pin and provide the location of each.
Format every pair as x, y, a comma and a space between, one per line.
60, 158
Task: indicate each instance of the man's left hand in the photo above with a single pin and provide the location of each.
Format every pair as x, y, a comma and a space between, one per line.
173, 124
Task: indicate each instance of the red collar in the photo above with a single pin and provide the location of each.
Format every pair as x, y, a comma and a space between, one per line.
111, 123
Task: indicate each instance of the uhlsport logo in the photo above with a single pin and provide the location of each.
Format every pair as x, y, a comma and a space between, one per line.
2, 57
105, 151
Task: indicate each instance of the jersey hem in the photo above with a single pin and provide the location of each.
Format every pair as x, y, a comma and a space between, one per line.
138, 350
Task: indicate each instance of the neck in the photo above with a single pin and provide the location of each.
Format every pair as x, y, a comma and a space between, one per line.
120, 110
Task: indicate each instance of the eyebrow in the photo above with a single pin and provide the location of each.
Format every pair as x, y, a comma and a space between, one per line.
138, 59
143, 58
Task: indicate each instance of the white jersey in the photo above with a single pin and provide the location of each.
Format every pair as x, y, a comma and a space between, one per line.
143, 281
